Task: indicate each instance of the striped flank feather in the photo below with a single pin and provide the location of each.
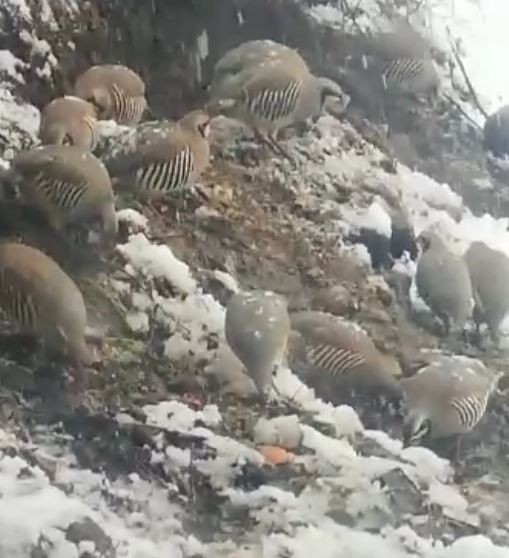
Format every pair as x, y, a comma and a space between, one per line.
63, 194
275, 104
167, 176
126, 110
470, 409
402, 71
16, 304
334, 360
91, 127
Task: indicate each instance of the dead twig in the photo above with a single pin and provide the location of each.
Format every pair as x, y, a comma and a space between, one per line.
471, 89
463, 112
352, 14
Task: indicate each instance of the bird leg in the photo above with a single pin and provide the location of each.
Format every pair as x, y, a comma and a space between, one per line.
457, 449
447, 325
273, 144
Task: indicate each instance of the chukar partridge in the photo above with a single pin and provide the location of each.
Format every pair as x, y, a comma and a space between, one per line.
335, 355
66, 183
68, 121
41, 298
489, 274
278, 92
443, 282
446, 398
256, 329
404, 60
230, 67
169, 161
117, 93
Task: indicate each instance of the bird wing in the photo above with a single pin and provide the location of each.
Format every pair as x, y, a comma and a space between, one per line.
320, 327
164, 148
53, 164
274, 75
443, 381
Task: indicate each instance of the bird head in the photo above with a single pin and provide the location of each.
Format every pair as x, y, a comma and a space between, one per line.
332, 93
416, 427
67, 140
100, 99
198, 121
427, 239
55, 133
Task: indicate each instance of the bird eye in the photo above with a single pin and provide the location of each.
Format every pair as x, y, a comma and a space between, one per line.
67, 140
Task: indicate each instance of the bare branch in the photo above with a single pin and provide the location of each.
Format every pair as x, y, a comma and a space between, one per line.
471, 89
463, 112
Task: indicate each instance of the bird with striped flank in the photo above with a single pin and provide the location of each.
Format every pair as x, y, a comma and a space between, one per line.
117, 93
412, 75
69, 121
277, 93
231, 67
67, 184
37, 295
167, 162
256, 329
337, 357
404, 60
489, 274
446, 398
443, 282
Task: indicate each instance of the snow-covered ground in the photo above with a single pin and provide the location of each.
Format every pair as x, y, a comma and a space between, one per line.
476, 27
44, 491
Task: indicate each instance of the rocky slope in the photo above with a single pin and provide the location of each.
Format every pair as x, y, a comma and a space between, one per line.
146, 470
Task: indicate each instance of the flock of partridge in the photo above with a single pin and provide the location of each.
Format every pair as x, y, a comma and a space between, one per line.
267, 86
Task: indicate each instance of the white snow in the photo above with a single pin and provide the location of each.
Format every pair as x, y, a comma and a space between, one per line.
157, 261
11, 65
144, 518
134, 219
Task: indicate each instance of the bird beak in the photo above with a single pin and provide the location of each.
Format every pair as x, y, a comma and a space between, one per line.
150, 113
205, 129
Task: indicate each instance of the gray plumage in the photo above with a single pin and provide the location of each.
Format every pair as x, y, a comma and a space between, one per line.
277, 91
402, 42
256, 329
489, 274
116, 91
496, 132
168, 160
402, 60
69, 121
68, 184
443, 282
411, 75
41, 298
330, 353
446, 398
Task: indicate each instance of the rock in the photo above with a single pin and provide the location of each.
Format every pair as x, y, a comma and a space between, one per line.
87, 530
